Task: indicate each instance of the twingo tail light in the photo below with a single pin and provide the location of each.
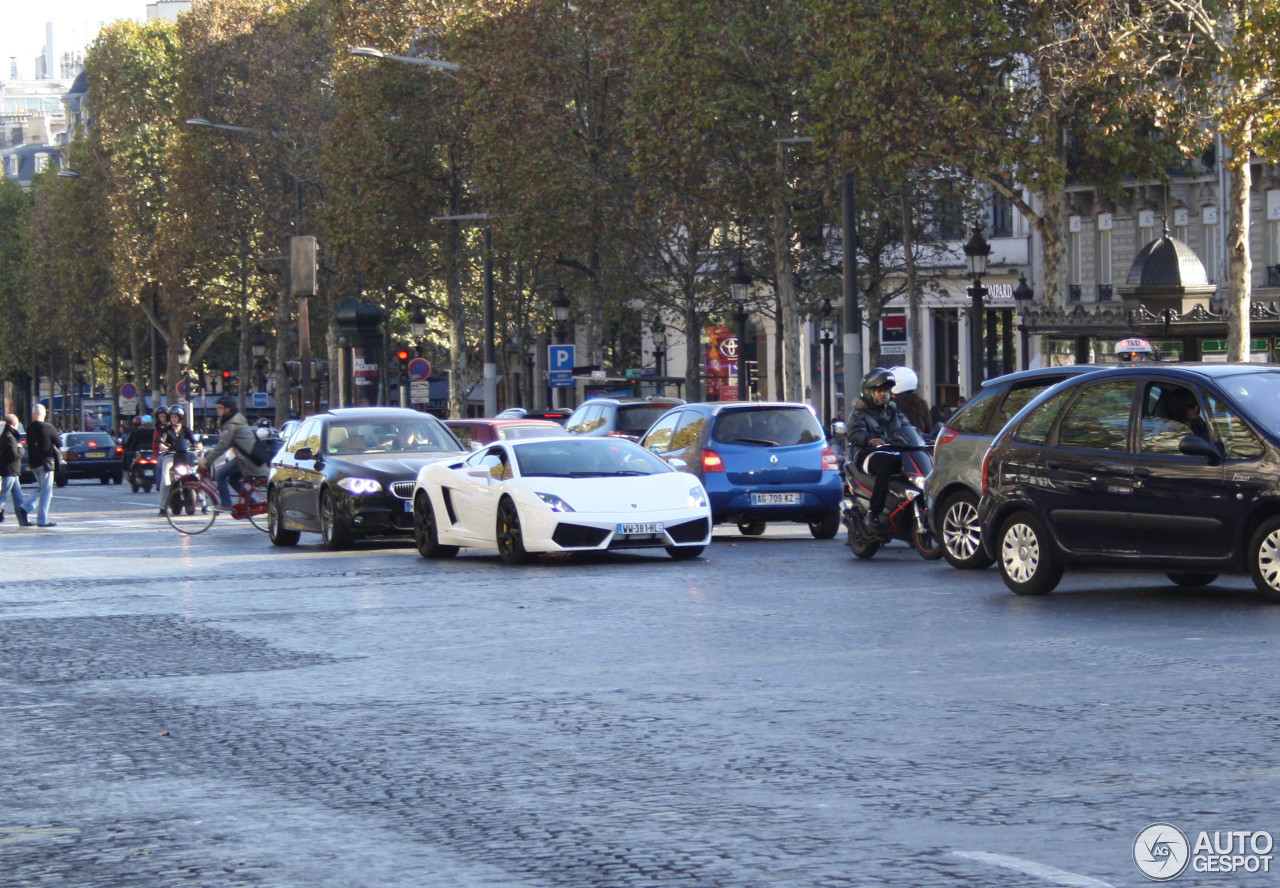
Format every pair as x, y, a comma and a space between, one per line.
711, 461
829, 461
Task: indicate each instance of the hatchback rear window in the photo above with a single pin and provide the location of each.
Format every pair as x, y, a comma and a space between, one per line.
636, 420
767, 427
974, 417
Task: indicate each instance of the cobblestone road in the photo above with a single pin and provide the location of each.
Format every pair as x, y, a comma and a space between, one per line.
213, 712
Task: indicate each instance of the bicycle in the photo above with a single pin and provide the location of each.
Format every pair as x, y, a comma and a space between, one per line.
189, 508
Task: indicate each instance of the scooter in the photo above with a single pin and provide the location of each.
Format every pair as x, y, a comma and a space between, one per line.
905, 505
142, 471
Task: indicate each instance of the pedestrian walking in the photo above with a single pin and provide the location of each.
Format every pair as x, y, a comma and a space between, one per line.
11, 469
43, 452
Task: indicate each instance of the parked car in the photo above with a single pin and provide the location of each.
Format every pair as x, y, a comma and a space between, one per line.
475, 433
1168, 468
557, 416
759, 461
564, 494
350, 472
953, 487
91, 455
618, 417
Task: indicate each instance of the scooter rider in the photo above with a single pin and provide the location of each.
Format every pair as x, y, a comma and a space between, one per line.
875, 422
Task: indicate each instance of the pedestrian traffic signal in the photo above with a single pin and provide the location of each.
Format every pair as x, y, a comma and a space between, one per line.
403, 357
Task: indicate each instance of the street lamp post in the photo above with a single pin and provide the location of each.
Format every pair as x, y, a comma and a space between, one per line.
739, 287
827, 338
184, 359
78, 401
1023, 294
560, 306
976, 253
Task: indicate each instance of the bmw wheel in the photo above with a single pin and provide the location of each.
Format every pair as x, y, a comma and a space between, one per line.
426, 534
1264, 559
333, 533
1027, 563
509, 536
275, 523
961, 533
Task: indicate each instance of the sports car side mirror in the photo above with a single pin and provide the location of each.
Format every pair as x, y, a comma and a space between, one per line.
678, 464
304, 453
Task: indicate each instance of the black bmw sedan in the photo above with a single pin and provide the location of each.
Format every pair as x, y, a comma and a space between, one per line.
349, 473
1151, 467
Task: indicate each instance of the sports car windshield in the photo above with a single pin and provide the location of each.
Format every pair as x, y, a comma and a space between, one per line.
586, 458
389, 436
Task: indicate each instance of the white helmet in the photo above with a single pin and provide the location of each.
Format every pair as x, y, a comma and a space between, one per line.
905, 379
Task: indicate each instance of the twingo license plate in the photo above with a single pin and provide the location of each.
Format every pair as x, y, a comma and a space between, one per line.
652, 529
776, 499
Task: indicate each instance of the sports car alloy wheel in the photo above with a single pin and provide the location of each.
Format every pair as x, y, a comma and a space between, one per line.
1027, 564
425, 533
510, 539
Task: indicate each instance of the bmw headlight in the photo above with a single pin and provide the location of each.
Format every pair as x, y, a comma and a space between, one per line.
697, 497
359, 486
555, 503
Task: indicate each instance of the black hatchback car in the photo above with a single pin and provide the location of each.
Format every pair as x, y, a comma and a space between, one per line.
1172, 468
350, 473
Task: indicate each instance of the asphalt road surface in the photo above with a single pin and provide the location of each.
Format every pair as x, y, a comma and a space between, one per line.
212, 711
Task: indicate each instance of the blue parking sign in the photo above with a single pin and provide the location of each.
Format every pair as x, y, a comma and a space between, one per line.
559, 358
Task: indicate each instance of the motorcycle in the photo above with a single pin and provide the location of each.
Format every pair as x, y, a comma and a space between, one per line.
142, 471
907, 519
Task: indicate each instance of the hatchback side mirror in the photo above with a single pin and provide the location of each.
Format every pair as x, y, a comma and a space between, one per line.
1195, 445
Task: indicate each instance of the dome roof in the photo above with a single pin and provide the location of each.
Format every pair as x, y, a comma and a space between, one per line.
1167, 264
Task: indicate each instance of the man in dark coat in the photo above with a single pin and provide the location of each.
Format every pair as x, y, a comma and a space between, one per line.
11, 469
875, 422
44, 446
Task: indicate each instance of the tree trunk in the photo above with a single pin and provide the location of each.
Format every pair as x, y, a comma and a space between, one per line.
1239, 260
693, 351
455, 321
784, 274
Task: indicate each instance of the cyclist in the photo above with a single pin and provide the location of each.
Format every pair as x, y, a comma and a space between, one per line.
238, 439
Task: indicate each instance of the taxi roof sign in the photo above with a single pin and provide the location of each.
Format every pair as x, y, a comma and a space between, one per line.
1134, 345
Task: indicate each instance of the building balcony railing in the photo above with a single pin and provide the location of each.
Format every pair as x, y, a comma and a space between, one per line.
1273, 275
1073, 292
1105, 293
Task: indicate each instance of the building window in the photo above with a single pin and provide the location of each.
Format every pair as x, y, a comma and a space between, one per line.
14, 166
1104, 256
1146, 227
42, 162
1001, 216
1211, 257
1074, 257
1273, 242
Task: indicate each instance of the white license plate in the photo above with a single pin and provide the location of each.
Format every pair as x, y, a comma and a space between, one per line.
639, 529
408, 505
96, 454
775, 499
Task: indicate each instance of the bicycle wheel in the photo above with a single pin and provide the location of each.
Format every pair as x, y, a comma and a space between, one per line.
188, 509
256, 494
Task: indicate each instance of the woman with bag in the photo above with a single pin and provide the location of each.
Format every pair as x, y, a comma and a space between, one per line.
44, 450
175, 445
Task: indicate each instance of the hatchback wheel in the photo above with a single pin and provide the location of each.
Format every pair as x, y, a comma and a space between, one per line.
826, 527
961, 533
1189, 579
1264, 559
1027, 562
751, 528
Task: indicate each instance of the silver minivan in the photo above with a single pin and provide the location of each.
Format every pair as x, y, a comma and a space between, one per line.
952, 488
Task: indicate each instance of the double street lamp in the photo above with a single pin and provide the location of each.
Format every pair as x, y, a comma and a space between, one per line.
560, 306
1022, 295
976, 253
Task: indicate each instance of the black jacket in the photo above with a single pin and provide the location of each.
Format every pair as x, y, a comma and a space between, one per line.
869, 422
43, 442
914, 408
10, 453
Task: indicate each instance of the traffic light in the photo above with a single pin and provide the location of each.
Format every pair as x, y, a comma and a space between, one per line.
403, 357
230, 384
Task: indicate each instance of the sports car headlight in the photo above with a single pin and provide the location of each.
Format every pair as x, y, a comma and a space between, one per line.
555, 503
697, 497
358, 486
